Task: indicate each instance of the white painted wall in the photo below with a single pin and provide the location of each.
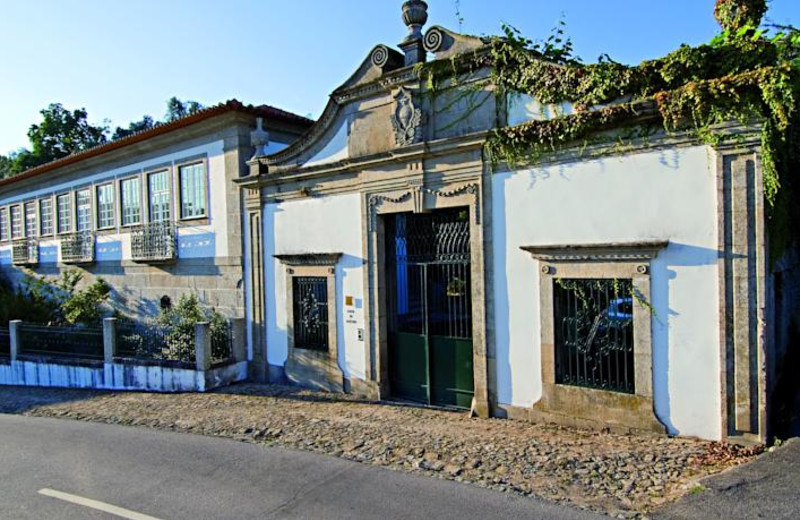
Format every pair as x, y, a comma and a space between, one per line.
118, 376
336, 148
648, 196
323, 225
522, 108
194, 241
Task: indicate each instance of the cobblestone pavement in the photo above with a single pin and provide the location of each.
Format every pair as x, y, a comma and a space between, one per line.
621, 475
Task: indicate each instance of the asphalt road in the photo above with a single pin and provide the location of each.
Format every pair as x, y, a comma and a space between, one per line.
768, 488
60, 469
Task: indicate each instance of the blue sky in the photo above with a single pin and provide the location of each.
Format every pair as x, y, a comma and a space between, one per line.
121, 60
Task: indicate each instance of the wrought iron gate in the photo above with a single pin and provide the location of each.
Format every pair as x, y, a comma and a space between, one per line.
430, 307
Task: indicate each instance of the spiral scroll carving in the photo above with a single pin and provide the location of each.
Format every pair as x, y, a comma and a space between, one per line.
380, 56
433, 40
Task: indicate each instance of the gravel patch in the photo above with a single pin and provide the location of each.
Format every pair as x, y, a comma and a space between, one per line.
621, 475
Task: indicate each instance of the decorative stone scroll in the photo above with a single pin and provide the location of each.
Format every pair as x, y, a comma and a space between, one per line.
416, 194
380, 56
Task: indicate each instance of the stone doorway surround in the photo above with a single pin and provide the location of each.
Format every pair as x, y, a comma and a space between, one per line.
311, 368
419, 197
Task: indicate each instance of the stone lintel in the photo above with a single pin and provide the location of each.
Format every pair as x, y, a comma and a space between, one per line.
325, 259
611, 251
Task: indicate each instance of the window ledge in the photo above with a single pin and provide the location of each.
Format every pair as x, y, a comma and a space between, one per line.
611, 251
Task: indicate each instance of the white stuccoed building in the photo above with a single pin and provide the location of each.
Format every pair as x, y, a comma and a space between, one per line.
619, 286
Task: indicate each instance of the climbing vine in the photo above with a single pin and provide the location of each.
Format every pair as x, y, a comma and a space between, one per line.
745, 74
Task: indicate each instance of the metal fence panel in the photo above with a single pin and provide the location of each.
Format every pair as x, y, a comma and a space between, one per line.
61, 342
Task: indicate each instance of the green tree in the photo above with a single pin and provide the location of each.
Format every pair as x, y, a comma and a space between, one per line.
6, 167
177, 109
61, 133
146, 123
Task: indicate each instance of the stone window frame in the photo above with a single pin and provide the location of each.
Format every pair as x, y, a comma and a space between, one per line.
120, 181
4, 219
179, 190
69, 196
599, 261
21, 234
147, 215
52, 232
96, 196
30, 228
311, 367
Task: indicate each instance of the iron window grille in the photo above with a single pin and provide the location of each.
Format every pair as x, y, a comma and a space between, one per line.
594, 341
46, 216
154, 242
310, 300
78, 248
25, 251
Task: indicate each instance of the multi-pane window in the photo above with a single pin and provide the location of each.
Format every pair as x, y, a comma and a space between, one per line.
30, 219
46, 216
593, 325
159, 192
3, 224
193, 190
131, 202
84, 205
16, 221
105, 206
64, 210
310, 295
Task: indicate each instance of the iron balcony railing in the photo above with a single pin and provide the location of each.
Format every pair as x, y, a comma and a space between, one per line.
77, 248
25, 251
154, 242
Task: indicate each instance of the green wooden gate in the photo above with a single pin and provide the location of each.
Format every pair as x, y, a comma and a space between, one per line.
430, 307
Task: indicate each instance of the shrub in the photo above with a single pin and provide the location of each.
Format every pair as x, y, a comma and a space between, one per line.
39, 300
180, 321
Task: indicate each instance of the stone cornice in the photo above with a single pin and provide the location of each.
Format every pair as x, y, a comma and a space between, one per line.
611, 251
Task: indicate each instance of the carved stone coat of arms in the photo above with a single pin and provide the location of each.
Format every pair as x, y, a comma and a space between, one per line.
407, 119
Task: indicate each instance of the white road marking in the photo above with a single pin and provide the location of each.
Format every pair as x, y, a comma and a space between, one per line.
94, 504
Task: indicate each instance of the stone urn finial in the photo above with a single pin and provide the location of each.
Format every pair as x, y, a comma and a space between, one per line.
259, 139
415, 15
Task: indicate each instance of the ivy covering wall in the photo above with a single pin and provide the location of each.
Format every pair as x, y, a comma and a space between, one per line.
746, 74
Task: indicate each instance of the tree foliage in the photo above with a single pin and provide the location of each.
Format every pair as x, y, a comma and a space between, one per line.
60, 133
145, 123
177, 109
54, 302
64, 132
